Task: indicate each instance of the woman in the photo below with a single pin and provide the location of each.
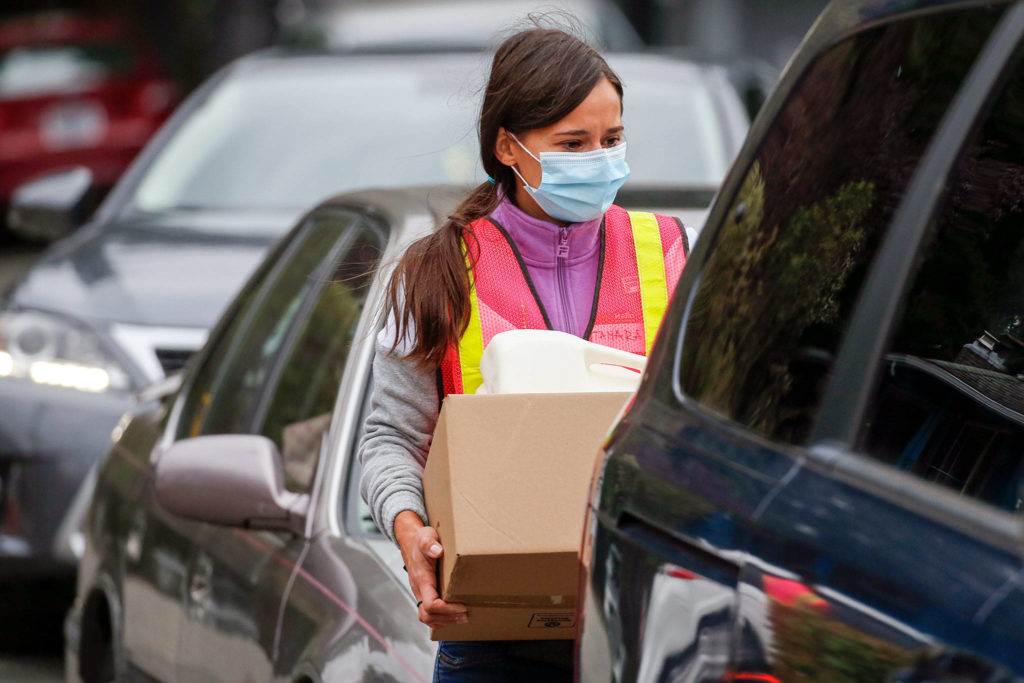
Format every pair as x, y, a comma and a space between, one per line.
538, 246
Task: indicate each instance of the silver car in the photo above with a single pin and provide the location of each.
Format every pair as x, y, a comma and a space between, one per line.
227, 539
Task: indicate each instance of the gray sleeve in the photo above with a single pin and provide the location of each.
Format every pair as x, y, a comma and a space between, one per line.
397, 434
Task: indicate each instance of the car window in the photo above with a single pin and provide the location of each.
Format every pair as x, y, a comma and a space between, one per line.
773, 298
302, 400
224, 395
356, 513
950, 400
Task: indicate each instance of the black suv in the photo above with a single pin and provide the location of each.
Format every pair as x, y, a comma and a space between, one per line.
820, 478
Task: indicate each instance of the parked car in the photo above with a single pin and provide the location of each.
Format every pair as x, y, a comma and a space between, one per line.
227, 539
129, 297
445, 25
76, 89
820, 476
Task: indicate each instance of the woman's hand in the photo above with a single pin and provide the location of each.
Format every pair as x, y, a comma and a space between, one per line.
421, 549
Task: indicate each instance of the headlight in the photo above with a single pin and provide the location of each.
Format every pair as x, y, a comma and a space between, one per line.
47, 349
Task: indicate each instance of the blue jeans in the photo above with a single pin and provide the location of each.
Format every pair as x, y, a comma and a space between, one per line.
504, 661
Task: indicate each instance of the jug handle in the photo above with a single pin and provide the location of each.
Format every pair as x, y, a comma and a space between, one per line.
596, 354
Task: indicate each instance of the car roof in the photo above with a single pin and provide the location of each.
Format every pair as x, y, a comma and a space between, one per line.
644, 67
839, 20
459, 24
410, 211
842, 16
283, 58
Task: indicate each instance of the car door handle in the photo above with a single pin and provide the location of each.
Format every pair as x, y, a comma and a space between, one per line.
199, 580
198, 589
683, 552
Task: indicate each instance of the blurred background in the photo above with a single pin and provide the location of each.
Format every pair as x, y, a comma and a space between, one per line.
142, 58
194, 37
84, 84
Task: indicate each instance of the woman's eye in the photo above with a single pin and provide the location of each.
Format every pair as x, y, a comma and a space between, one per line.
571, 144
612, 142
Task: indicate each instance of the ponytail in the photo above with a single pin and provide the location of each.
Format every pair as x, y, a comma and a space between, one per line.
429, 289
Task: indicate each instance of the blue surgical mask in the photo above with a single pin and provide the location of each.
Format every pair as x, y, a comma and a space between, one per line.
577, 186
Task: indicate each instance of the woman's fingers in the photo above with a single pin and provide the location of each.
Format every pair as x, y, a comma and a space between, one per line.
421, 549
433, 610
436, 612
430, 544
422, 565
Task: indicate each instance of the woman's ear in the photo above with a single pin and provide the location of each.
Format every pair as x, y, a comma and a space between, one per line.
503, 148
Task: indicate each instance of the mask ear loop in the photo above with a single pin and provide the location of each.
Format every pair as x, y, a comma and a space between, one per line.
526, 185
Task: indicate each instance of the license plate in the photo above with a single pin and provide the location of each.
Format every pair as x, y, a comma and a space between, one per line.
73, 125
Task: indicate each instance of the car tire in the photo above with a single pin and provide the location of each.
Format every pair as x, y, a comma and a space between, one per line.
105, 671
97, 660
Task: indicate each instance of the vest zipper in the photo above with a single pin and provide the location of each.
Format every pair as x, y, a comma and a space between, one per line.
563, 254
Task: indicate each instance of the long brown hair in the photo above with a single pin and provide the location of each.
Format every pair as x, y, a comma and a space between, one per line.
538, 76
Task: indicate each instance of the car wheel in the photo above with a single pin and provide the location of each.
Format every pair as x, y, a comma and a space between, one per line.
105, 666
96, 663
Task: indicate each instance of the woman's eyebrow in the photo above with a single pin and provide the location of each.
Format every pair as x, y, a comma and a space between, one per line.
617, 129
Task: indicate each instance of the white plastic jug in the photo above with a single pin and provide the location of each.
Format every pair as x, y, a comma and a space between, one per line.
548, 362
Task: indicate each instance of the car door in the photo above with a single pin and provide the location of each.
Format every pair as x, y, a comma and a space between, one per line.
155, 551
158, 548
239, 578
351, 615
905, 522
852, 570
687, 576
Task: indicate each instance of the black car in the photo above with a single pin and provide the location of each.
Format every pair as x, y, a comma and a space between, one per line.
820, 477
126, 299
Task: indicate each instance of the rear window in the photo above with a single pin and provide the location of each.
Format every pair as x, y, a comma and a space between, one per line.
44, 69
286, 136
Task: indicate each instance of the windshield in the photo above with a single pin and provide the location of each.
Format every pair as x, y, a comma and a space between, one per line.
287, 137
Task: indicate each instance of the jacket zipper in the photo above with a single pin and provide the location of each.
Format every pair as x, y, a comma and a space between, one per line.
563, 254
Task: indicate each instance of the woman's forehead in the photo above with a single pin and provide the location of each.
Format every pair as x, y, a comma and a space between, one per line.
599, 113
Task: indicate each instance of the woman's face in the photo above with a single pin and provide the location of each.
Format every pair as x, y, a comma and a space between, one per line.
595, 123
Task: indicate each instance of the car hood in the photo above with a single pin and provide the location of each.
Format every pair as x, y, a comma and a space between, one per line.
161, 271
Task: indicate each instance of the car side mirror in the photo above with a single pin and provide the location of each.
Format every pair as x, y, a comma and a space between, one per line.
231, 479
53, 206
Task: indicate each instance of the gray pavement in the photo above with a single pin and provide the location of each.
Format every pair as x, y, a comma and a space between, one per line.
42, 668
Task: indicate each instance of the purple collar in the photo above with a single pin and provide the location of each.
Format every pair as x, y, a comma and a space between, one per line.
538, 239
564, 285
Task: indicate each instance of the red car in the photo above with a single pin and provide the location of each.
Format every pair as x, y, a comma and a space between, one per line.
75, 90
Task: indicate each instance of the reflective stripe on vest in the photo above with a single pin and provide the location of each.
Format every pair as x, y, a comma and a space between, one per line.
641, 259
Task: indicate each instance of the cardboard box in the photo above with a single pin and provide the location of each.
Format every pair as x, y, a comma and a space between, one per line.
506, 486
